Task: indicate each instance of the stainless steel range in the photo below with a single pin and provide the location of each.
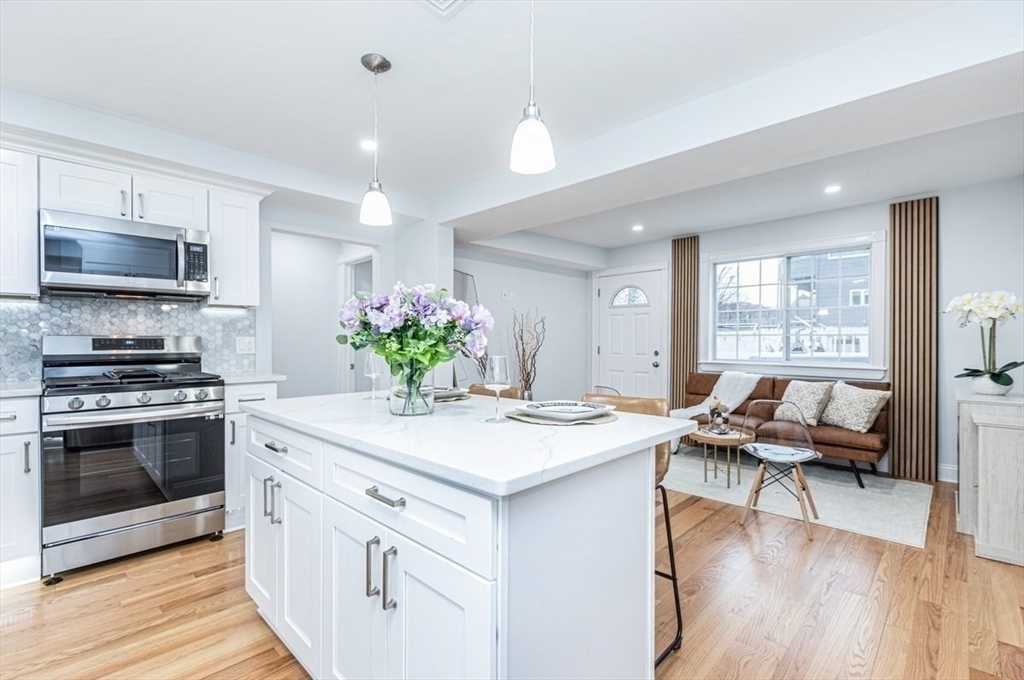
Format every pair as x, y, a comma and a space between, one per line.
133, 447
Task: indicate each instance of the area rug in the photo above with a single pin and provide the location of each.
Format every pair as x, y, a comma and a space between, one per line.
890, 509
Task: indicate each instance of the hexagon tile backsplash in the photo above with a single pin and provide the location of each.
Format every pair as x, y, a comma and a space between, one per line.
24, 323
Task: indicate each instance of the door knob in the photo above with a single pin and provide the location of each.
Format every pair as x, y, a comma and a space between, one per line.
657, 353
655, 364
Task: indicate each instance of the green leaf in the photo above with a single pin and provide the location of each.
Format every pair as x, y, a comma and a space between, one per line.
1001, 379
1010, 366
342, 339
970, 373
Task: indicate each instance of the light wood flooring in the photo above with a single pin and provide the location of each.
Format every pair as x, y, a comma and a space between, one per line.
757, 602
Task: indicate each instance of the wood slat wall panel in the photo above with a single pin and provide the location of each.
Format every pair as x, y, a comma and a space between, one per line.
913, 276
684, 314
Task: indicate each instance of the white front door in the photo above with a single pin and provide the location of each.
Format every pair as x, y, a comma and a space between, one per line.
632, 348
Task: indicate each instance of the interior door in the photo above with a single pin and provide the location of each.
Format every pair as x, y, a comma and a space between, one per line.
632, 348
261, 547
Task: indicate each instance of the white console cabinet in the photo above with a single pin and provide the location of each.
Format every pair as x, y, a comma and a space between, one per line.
991, 489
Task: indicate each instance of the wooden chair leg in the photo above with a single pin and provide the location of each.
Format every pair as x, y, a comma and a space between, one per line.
807, 489
803, 505
754, 489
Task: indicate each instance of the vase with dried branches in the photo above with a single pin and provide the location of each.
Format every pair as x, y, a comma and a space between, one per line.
528, 331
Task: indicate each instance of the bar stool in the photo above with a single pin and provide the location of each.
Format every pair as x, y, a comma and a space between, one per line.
783, 446
662, 457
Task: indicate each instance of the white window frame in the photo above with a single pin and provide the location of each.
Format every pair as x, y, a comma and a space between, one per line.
878, 336
864, 297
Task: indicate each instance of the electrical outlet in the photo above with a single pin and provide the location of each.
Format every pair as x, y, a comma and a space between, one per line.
245, 345
504, 294
512, 296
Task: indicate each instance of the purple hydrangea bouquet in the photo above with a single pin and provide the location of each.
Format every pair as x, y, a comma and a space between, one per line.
414, 329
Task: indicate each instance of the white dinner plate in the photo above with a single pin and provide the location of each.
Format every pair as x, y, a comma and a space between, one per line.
567, 411
447, 393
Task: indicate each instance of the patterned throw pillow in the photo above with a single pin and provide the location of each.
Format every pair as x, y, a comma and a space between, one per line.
853, 408
809, 398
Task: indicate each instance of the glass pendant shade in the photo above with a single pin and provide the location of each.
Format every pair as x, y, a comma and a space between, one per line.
375, 210
532, 152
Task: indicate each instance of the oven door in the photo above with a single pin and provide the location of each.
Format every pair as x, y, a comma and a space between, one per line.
98, 464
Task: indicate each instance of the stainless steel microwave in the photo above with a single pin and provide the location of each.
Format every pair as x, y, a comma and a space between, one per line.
86, 253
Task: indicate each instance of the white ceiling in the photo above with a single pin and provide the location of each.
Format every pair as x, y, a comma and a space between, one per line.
283, 80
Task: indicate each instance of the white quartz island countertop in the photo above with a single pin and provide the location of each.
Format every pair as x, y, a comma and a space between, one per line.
456, 445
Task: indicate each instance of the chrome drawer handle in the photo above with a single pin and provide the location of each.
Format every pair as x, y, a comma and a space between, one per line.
232, 433
242, 400
28, 468
273, 504
374, 493
272, 445
124, 203
9, 416
371, 590
386, 602
141, 216
266, 513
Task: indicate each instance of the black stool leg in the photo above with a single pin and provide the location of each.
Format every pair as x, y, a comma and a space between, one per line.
673, 576
856, 472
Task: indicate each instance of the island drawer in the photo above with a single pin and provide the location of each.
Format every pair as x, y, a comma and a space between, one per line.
19, 415
287, 450
237, 395
457, 524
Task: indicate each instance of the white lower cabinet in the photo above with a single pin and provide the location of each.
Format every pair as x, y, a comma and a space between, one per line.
236, 488
394, 609
282, 558
19, 491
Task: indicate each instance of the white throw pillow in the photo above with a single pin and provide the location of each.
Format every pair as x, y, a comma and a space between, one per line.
806, 398
853, 408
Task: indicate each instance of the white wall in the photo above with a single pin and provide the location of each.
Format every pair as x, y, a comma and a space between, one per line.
981, 248
306, 298
560, 295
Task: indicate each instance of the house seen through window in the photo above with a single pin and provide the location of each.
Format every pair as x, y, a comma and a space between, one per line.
810, 307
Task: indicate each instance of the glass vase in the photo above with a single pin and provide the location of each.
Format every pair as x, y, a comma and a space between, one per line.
412, 397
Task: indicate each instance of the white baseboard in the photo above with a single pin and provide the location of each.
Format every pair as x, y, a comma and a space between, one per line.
19, 571
949, 473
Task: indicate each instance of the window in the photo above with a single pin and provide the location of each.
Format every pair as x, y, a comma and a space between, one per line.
807, 307
630, 296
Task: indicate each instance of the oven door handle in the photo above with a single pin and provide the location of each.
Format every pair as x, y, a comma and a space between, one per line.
75, 422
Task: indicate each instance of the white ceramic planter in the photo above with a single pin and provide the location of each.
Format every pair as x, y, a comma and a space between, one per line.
985, 385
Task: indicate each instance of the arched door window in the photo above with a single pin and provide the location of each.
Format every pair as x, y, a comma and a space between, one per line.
630, 296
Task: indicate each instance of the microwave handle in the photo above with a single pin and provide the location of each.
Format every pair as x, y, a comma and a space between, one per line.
180, 238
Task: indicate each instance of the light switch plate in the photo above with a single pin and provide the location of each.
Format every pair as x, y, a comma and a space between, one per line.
245, 345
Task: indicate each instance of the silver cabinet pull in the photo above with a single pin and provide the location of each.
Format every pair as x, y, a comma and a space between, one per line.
180, 240
374, 493
9, 416
371, 590
388, 602
273, 503
216, 287
232, 433
242, 400
266, 513
272, 445
28, 467
124, 203
141, 216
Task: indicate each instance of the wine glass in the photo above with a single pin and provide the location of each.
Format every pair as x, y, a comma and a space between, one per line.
496, 379
374, 367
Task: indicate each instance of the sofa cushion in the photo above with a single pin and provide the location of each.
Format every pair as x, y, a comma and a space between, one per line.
699, 387
853, 408
804, 398
784, 432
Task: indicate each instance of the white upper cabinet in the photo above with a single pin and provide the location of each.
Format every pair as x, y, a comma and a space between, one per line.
19, 232
234, 249
84, 189
170, 202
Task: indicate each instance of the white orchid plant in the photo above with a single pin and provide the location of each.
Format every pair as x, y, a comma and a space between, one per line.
988, 310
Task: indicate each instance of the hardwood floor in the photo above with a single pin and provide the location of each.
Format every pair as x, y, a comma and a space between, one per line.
760, 602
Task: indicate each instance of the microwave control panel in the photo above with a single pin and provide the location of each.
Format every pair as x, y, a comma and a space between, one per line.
195, 262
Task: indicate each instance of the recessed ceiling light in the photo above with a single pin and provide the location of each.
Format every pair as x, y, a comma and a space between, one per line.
368, 145
638, 227
832, 188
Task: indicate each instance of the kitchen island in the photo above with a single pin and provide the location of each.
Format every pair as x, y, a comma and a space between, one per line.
444, 546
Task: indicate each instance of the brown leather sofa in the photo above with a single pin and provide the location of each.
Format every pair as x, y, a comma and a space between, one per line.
829, 440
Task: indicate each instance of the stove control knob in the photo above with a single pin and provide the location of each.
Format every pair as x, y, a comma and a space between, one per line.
144, 398
201, 394
180, 395
103, 402
75, 404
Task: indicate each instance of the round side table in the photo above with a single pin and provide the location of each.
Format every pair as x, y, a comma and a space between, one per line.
732, 441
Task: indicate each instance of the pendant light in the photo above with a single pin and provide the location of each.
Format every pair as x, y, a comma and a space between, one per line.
375, 210
532, 152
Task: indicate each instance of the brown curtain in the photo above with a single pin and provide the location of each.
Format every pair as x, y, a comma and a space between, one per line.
685, 264
913, 309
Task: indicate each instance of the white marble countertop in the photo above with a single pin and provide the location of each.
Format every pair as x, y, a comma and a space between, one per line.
455, 445
245, 378
31, 388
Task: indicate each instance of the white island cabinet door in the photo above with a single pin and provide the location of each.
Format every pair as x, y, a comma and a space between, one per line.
353, 620
234, 249
261, 547
235, 481
166, 201
297, 507
19, 496
443, 623
84, 189
19, 224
